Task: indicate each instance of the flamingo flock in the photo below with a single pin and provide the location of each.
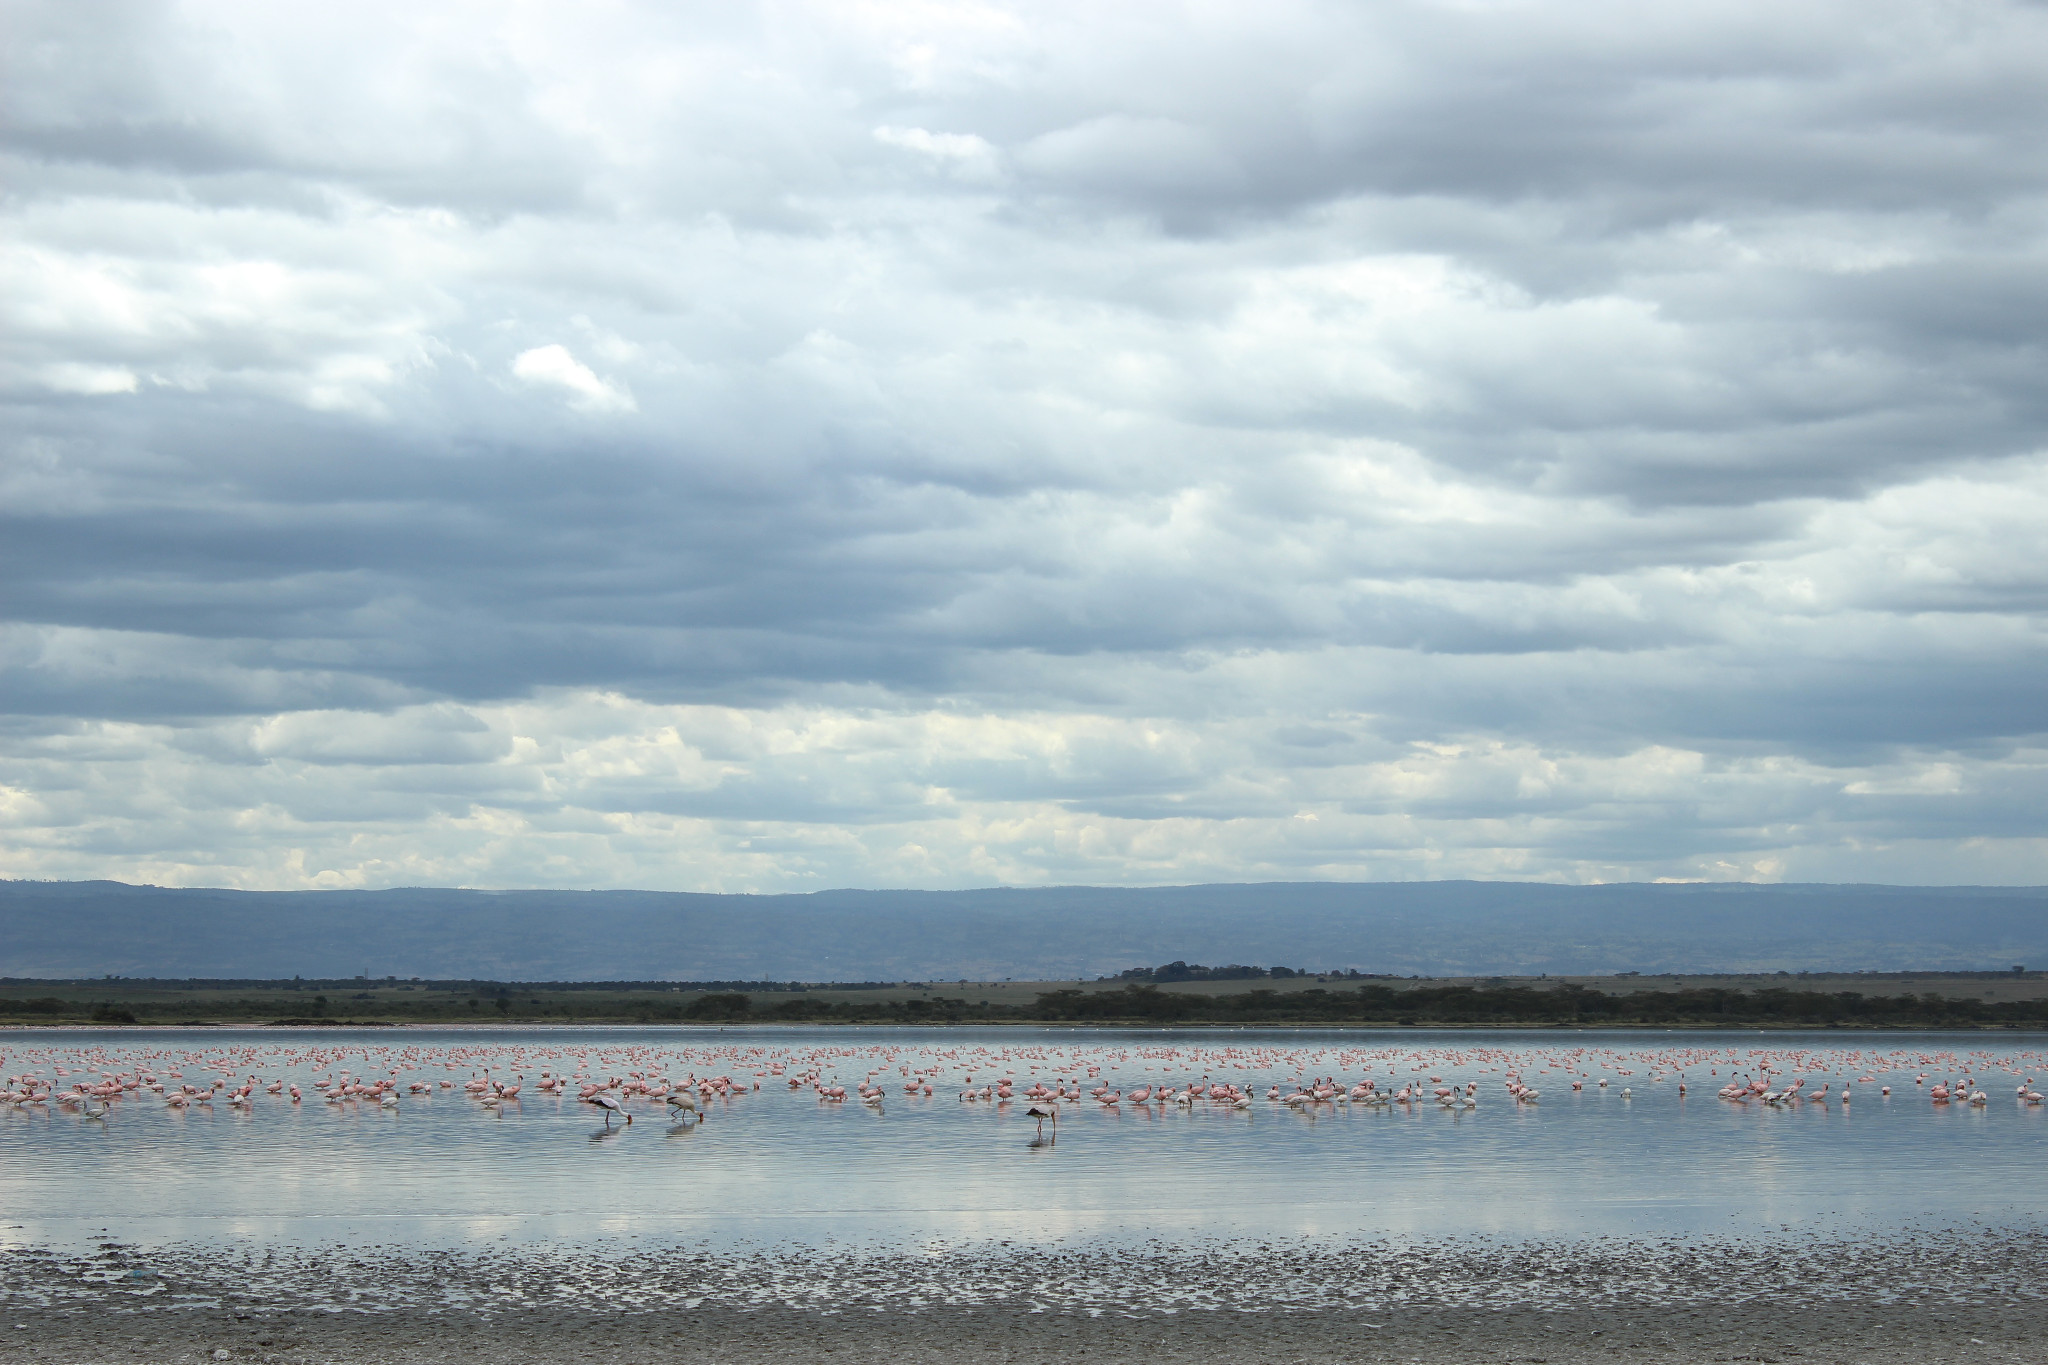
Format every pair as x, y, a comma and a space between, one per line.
688, 1082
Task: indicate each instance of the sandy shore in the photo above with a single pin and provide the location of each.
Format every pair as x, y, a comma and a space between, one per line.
1919, 1297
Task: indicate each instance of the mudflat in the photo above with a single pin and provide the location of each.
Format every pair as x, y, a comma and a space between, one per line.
1917, 1295
776, 1335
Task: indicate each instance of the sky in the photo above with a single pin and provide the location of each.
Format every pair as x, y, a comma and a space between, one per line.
776, 447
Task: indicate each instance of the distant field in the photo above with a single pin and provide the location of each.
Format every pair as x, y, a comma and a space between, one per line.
1987, 986
1898, 999
1990, 987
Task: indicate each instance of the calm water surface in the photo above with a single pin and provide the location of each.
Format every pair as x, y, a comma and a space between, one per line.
782, 1167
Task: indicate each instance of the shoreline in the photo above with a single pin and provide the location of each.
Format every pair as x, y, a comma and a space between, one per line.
947, 1026
1819, 1335
1817, 1297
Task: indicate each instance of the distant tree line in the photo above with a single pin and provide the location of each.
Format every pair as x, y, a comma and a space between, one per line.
51, 1006
450, 985
1527, 1005
1503, 1005
1181, 971
1370, 1001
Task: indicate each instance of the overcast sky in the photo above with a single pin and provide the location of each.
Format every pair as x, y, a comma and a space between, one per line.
780, 447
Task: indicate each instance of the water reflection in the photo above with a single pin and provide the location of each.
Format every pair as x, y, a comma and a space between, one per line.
418, 1138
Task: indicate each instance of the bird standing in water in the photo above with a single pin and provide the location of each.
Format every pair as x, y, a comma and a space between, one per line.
1042, 1113
610, 1107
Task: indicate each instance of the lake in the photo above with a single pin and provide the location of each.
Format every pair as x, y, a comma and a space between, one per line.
780, 1167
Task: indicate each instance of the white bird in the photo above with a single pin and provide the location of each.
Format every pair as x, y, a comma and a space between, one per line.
610, 1107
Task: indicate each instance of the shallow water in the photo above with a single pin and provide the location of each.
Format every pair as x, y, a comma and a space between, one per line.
782, 1168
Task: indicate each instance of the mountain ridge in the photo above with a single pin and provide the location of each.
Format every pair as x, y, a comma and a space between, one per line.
74, 929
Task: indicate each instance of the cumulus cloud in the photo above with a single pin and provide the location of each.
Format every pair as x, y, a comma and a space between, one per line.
600, 789
553, 366
936, 446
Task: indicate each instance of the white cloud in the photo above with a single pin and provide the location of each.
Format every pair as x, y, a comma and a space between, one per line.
595, 789
553, 367
88, 379
967, 156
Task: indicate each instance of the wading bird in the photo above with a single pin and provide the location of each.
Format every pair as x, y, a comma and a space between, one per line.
1042, 1113
610, 1107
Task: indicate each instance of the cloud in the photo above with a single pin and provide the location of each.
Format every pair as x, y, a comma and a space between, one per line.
963, 154
554, 367
596, 789
87, 379
1075, 443
1119, 153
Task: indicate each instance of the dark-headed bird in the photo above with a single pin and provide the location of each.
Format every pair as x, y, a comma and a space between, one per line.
610, 1107
1042, 1113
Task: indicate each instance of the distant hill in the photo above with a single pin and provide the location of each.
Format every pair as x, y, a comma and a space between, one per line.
70, 929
